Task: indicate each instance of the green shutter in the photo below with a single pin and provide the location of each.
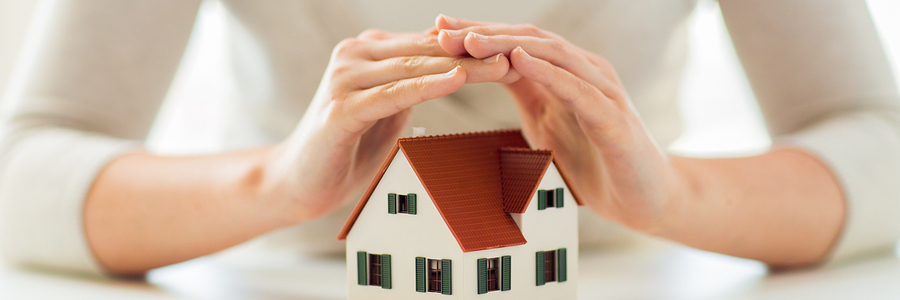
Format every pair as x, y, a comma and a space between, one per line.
505, 270
386, 271
539, 267
392, 203
420, 274
446, 276
361, 276
411, 203
559, 197
561, 262
542, 200
482, 276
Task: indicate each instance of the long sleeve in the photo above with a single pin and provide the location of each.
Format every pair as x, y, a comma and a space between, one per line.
824, 84
87, 89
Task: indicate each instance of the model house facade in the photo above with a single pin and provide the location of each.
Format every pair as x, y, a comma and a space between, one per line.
468, 216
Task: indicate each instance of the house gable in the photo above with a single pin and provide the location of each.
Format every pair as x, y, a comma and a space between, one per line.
463, 175
401, 236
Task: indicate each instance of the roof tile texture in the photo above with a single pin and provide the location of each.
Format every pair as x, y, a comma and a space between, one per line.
462, 175
520, 172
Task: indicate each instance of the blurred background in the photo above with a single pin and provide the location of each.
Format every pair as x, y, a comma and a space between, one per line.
721, 116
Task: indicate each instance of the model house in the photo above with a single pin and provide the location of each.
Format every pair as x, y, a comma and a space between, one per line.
465, 216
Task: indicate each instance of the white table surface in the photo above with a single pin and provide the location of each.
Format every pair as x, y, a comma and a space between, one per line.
642, 270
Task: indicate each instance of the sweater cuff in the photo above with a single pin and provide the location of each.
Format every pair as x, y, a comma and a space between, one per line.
45, 176
862, 149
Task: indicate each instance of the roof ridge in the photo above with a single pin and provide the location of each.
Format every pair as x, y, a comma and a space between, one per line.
464, 134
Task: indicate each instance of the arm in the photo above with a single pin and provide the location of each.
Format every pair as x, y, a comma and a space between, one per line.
144, 211
824, 85
784, 207
93, 77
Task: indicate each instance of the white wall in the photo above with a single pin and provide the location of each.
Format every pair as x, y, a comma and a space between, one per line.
545, 230
402, 236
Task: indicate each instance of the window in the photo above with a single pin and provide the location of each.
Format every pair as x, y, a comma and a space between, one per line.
433, 275
551, 266
401, 204
494, 274
549, 201
550, 198
404, 204
374, 269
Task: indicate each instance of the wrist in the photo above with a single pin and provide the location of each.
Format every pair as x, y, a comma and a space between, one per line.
682, 187
258, 187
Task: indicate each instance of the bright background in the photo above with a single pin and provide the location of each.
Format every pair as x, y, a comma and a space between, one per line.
720, 113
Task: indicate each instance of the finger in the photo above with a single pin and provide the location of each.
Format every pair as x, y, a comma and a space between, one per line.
388, 99
529, 97
378, 34
559, 53
418, 44
446, 22
511, 76
376, 73
452, 40
578, 95
431, 31
375, 34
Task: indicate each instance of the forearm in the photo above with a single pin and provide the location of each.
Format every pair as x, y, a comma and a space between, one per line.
146, 211
784, 208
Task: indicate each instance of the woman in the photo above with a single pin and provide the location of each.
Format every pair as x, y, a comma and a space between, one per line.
93, 201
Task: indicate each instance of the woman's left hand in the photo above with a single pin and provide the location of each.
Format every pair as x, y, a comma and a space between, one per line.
572, 102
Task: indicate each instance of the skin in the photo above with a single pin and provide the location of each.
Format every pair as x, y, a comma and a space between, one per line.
784, 207
145, 211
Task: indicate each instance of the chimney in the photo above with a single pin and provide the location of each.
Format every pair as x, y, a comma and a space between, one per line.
418, 131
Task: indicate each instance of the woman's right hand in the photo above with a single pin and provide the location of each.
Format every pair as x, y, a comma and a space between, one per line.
361, 106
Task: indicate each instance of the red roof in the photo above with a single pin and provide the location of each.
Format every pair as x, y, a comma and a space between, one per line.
474, 180
520, 172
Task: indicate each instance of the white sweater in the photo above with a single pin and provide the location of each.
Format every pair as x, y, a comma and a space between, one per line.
99, 69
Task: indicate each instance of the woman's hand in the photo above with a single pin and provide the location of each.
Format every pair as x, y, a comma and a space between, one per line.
363, 103
572, 102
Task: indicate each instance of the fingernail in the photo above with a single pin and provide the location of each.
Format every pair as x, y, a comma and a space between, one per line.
451, 33
452, 72
478, 36
493, 59
523, 51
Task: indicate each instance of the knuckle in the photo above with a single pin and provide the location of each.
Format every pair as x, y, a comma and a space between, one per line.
420, 82
584, 89
346, 46
409, 64
391, 90
340, 70
430, 44
556, 46
530, 28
